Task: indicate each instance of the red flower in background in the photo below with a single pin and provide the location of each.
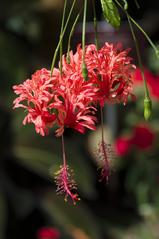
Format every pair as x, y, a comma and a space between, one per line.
152, 81
48, 233
142, 138
122, 146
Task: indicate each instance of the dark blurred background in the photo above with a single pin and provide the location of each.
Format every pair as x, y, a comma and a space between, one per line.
124, 208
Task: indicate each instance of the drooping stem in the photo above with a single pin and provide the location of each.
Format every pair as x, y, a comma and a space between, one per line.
84, 67
137, 4
84, 27
61, 38
95, 25
63, 151
62, 26
147, 99
70, 36
138, 56
140, 28
102, 123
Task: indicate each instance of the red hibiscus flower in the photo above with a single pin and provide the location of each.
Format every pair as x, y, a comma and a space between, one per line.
75, 110
109, 69
35, 95
112, 71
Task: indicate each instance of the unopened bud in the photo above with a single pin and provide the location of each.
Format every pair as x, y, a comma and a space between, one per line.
84, 71
68, 58
147, 108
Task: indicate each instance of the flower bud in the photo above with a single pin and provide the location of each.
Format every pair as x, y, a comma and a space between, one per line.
84, 71
68, 58
147, 108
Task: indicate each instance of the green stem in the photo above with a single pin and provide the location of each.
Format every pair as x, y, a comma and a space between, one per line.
70, 36
138, 56
95, 25
61, 38
62, 26
137, 4
147, 100
84, 67
140, 28
84, 27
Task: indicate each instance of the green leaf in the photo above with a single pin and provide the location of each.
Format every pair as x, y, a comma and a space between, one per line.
110, 13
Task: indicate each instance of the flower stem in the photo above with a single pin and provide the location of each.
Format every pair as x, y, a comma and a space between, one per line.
95, 25
61, 38
102, 123
62, 26
140, 28
84, 26
84, 67
70, 36
138, 56
63, 151
137, 4
147, 99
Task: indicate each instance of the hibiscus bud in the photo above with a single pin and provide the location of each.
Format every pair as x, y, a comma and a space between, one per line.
147, 108
84, 71
68, 58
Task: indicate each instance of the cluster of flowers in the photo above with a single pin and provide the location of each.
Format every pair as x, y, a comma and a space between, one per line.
68, 100
59, 100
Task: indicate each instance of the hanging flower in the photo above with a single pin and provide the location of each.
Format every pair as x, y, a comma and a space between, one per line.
35, 96
65, 101
109, 69
48, 233
112, 71
75, 109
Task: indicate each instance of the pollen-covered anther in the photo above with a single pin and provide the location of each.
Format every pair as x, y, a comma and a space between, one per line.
66, 184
